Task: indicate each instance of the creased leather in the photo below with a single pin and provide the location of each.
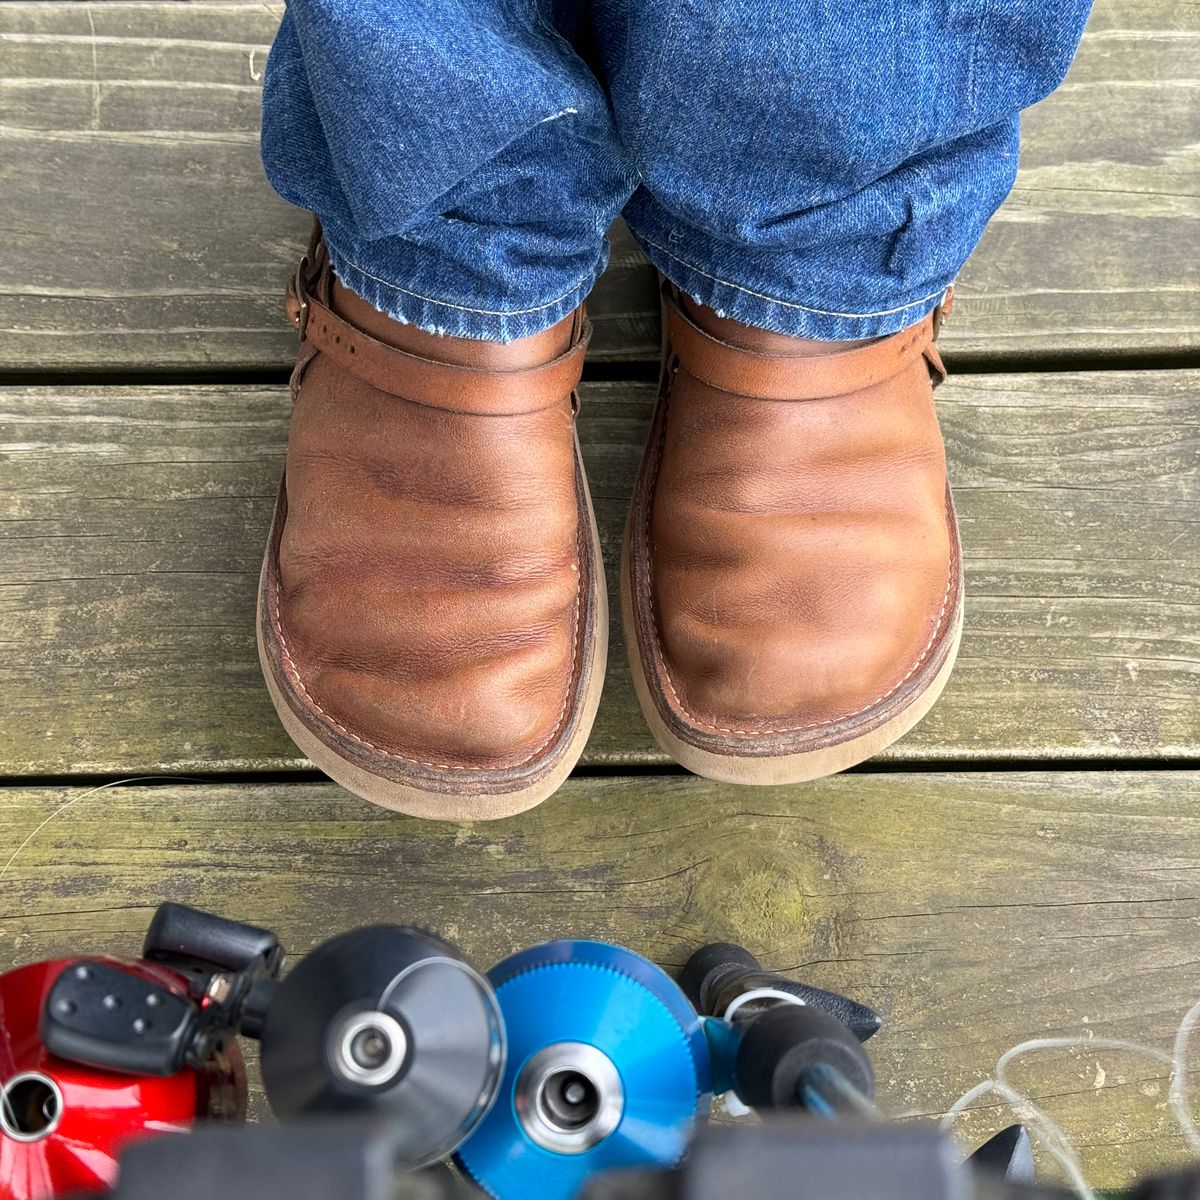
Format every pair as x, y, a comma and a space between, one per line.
428, 584
793, 543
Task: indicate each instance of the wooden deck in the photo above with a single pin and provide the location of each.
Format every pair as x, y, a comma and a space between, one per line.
1026, 863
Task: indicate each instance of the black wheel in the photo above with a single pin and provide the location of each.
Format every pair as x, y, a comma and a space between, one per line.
389, 1020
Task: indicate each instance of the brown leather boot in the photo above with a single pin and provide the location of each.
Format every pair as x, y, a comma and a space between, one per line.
432, 617
791, 579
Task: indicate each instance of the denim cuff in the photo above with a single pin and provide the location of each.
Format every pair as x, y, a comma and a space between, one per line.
459, 317
731, 282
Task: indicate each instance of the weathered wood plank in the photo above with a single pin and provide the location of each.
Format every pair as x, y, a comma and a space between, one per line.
138, 230
132, 522
975, 911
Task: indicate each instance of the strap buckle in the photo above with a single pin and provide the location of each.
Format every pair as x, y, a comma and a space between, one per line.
944, 309
297, 298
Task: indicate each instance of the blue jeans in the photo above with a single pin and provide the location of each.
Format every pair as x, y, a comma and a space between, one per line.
821, 168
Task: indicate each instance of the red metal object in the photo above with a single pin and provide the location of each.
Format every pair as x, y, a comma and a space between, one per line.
62, 1125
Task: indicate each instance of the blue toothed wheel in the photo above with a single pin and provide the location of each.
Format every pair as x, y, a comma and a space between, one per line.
607, 1067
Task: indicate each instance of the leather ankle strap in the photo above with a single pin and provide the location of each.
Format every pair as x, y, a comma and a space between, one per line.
734, 369
487, 392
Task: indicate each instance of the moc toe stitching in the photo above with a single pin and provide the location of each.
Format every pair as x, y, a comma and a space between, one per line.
297, 680
765, 730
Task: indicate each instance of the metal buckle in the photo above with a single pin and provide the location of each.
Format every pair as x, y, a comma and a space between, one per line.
943, 310
300, 289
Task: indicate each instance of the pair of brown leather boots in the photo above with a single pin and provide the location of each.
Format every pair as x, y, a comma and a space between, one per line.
433, 620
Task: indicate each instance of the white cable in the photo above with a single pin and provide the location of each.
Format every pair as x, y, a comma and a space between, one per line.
1177, 1098
7, 1059
1049, 1134
761, 993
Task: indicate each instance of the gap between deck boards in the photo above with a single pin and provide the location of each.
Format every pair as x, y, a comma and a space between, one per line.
598, 771
615, 371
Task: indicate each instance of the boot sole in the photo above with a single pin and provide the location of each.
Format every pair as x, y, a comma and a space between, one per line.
765, 770
447, 805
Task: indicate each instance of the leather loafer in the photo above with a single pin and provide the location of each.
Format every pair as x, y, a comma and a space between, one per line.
432, 621
791, 577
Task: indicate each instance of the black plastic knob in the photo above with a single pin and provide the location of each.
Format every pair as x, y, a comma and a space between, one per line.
704, 971
781, 1045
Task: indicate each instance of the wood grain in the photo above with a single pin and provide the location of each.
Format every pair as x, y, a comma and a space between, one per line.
139, 232
974, 910
132, 522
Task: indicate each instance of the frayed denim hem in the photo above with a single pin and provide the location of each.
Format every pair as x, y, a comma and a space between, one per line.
795, 319
449, 319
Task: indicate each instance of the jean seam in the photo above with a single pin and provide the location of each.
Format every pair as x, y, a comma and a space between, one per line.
483, 312
823, 312
546, 26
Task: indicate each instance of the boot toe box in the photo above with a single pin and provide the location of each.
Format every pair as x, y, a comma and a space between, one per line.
776, 648
453, 680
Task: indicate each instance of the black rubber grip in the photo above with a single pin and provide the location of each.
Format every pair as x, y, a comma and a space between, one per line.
707, 967
179, 932
720, 972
